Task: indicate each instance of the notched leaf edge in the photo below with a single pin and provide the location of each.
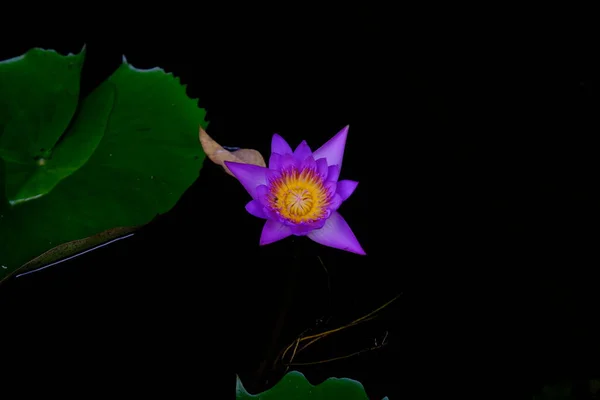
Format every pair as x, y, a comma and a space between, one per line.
40, 49
162, 70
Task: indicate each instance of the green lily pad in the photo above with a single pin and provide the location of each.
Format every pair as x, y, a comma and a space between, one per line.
71, 171
39, 92
295, 386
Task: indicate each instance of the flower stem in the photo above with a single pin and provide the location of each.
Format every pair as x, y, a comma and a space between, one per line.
263, 373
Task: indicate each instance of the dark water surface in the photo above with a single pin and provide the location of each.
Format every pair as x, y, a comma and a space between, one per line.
475, 202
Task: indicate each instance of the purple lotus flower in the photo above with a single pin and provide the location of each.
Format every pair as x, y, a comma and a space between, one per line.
299, 193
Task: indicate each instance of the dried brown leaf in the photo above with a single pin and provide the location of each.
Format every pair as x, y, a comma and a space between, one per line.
250, 156
219, 155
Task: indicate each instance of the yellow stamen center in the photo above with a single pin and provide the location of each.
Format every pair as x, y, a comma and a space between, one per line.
299, 196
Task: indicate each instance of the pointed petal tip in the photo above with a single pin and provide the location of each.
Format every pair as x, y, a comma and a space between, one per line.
342, 133
360, 252
354, 248
273, 231
337, 233
302, 151
255, 208
280, 145
346, 187
333, 149
250, 176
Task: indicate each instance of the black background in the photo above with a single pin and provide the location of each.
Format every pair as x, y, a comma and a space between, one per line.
474, 152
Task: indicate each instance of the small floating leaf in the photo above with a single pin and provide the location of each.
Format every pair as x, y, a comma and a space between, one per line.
295, 386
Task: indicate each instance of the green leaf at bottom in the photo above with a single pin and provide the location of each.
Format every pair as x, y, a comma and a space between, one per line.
294, 386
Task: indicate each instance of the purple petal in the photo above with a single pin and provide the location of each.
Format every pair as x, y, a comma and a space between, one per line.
330, 187
336, 202
308, 163
333, 173
302, 151
337, 234
333, 150
280, 146
271, 175
288, 161
273, 215
322, 167
255, 208
345, 188
304, 228
274, 231
301, 230
250, 176
275, 161
262, 192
